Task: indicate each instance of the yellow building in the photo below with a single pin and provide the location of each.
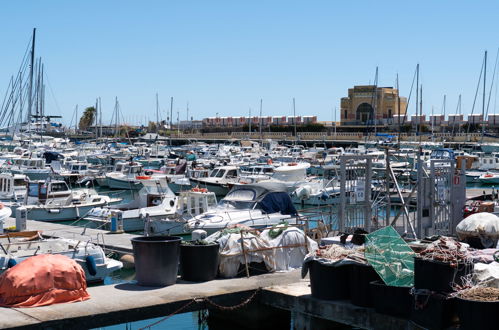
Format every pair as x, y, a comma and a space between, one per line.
364, 103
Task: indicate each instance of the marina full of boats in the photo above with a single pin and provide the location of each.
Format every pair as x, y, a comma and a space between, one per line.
159, 189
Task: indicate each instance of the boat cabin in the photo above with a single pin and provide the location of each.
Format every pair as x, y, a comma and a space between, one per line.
196, 201
12, 185
39, 192
28, 162
224, 172
198, 172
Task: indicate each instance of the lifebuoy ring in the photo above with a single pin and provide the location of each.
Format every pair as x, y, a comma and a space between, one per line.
269, 161
142, 177
292, 164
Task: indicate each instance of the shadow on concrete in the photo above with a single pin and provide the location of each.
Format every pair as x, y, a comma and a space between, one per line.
136, 287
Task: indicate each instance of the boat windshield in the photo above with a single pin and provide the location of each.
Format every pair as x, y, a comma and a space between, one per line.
239, 205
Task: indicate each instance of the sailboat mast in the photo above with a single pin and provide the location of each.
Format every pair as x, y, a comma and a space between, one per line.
294, 117
483, 94
261, 119
375, 102
30, 91
398, 108
157, 113
417, 99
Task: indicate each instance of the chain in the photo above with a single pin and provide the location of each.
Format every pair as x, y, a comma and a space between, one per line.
209, 301
168, 316
230, 308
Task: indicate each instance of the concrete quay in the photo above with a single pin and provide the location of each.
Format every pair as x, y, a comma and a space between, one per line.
122, 303
109, 242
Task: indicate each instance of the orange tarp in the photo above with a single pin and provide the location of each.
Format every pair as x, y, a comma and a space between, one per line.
43, 280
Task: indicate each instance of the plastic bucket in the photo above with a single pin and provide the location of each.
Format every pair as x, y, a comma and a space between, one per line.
481, 315
156, 259
438, 276
329, 282
434, 311
360, 278
392, 300
199, 263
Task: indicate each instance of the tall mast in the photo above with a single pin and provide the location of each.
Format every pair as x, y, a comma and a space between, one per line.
157, 113
398, 108
445, 99
375, 101
261, 137
483, 94
116, 116
249, 129
294, 117
171, 113
30, 91
417, 99
100, 117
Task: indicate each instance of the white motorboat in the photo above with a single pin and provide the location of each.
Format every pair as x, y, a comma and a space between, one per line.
292, 175
132, 177
33, 168
54, 201
151, 202
12, 187
190, 204
489, 178
256, 205
317, 192
219, 180
16, 248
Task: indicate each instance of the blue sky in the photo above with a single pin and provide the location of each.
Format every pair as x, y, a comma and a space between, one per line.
223, 56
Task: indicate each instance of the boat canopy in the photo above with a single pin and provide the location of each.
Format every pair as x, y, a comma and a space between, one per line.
271, 197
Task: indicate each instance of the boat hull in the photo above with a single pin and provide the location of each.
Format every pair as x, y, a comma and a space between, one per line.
114, 183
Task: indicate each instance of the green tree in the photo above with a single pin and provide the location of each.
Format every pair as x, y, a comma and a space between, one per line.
87, 119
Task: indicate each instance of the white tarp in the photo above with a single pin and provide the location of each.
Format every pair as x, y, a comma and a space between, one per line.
487, 274
279, 254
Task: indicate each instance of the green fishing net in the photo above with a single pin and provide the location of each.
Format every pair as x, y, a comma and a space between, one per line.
390, 256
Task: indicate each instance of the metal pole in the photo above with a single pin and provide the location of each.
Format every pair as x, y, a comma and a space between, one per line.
30, 91
294, 117
157, 113
171, 112
261, 137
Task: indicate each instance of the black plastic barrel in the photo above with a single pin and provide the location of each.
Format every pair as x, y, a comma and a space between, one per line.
329, 282
199, 263
434, 311
483, 315
360, 278
438, 276
156, 259
392, 300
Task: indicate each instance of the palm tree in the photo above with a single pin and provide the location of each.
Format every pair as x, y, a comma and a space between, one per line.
87, 119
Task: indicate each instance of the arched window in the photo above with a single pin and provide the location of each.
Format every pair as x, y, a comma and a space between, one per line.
365, 112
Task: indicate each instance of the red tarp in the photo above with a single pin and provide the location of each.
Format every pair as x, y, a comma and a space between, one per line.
43, 280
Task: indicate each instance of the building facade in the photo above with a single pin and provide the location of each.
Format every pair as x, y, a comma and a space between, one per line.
369, 104
220, 122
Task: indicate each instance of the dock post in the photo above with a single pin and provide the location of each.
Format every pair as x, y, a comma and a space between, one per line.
21, 217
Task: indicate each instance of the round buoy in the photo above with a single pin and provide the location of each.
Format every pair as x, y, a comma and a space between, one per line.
11, 263
128, 261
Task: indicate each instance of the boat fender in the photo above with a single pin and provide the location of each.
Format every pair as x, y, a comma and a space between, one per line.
91, 266
11, 263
